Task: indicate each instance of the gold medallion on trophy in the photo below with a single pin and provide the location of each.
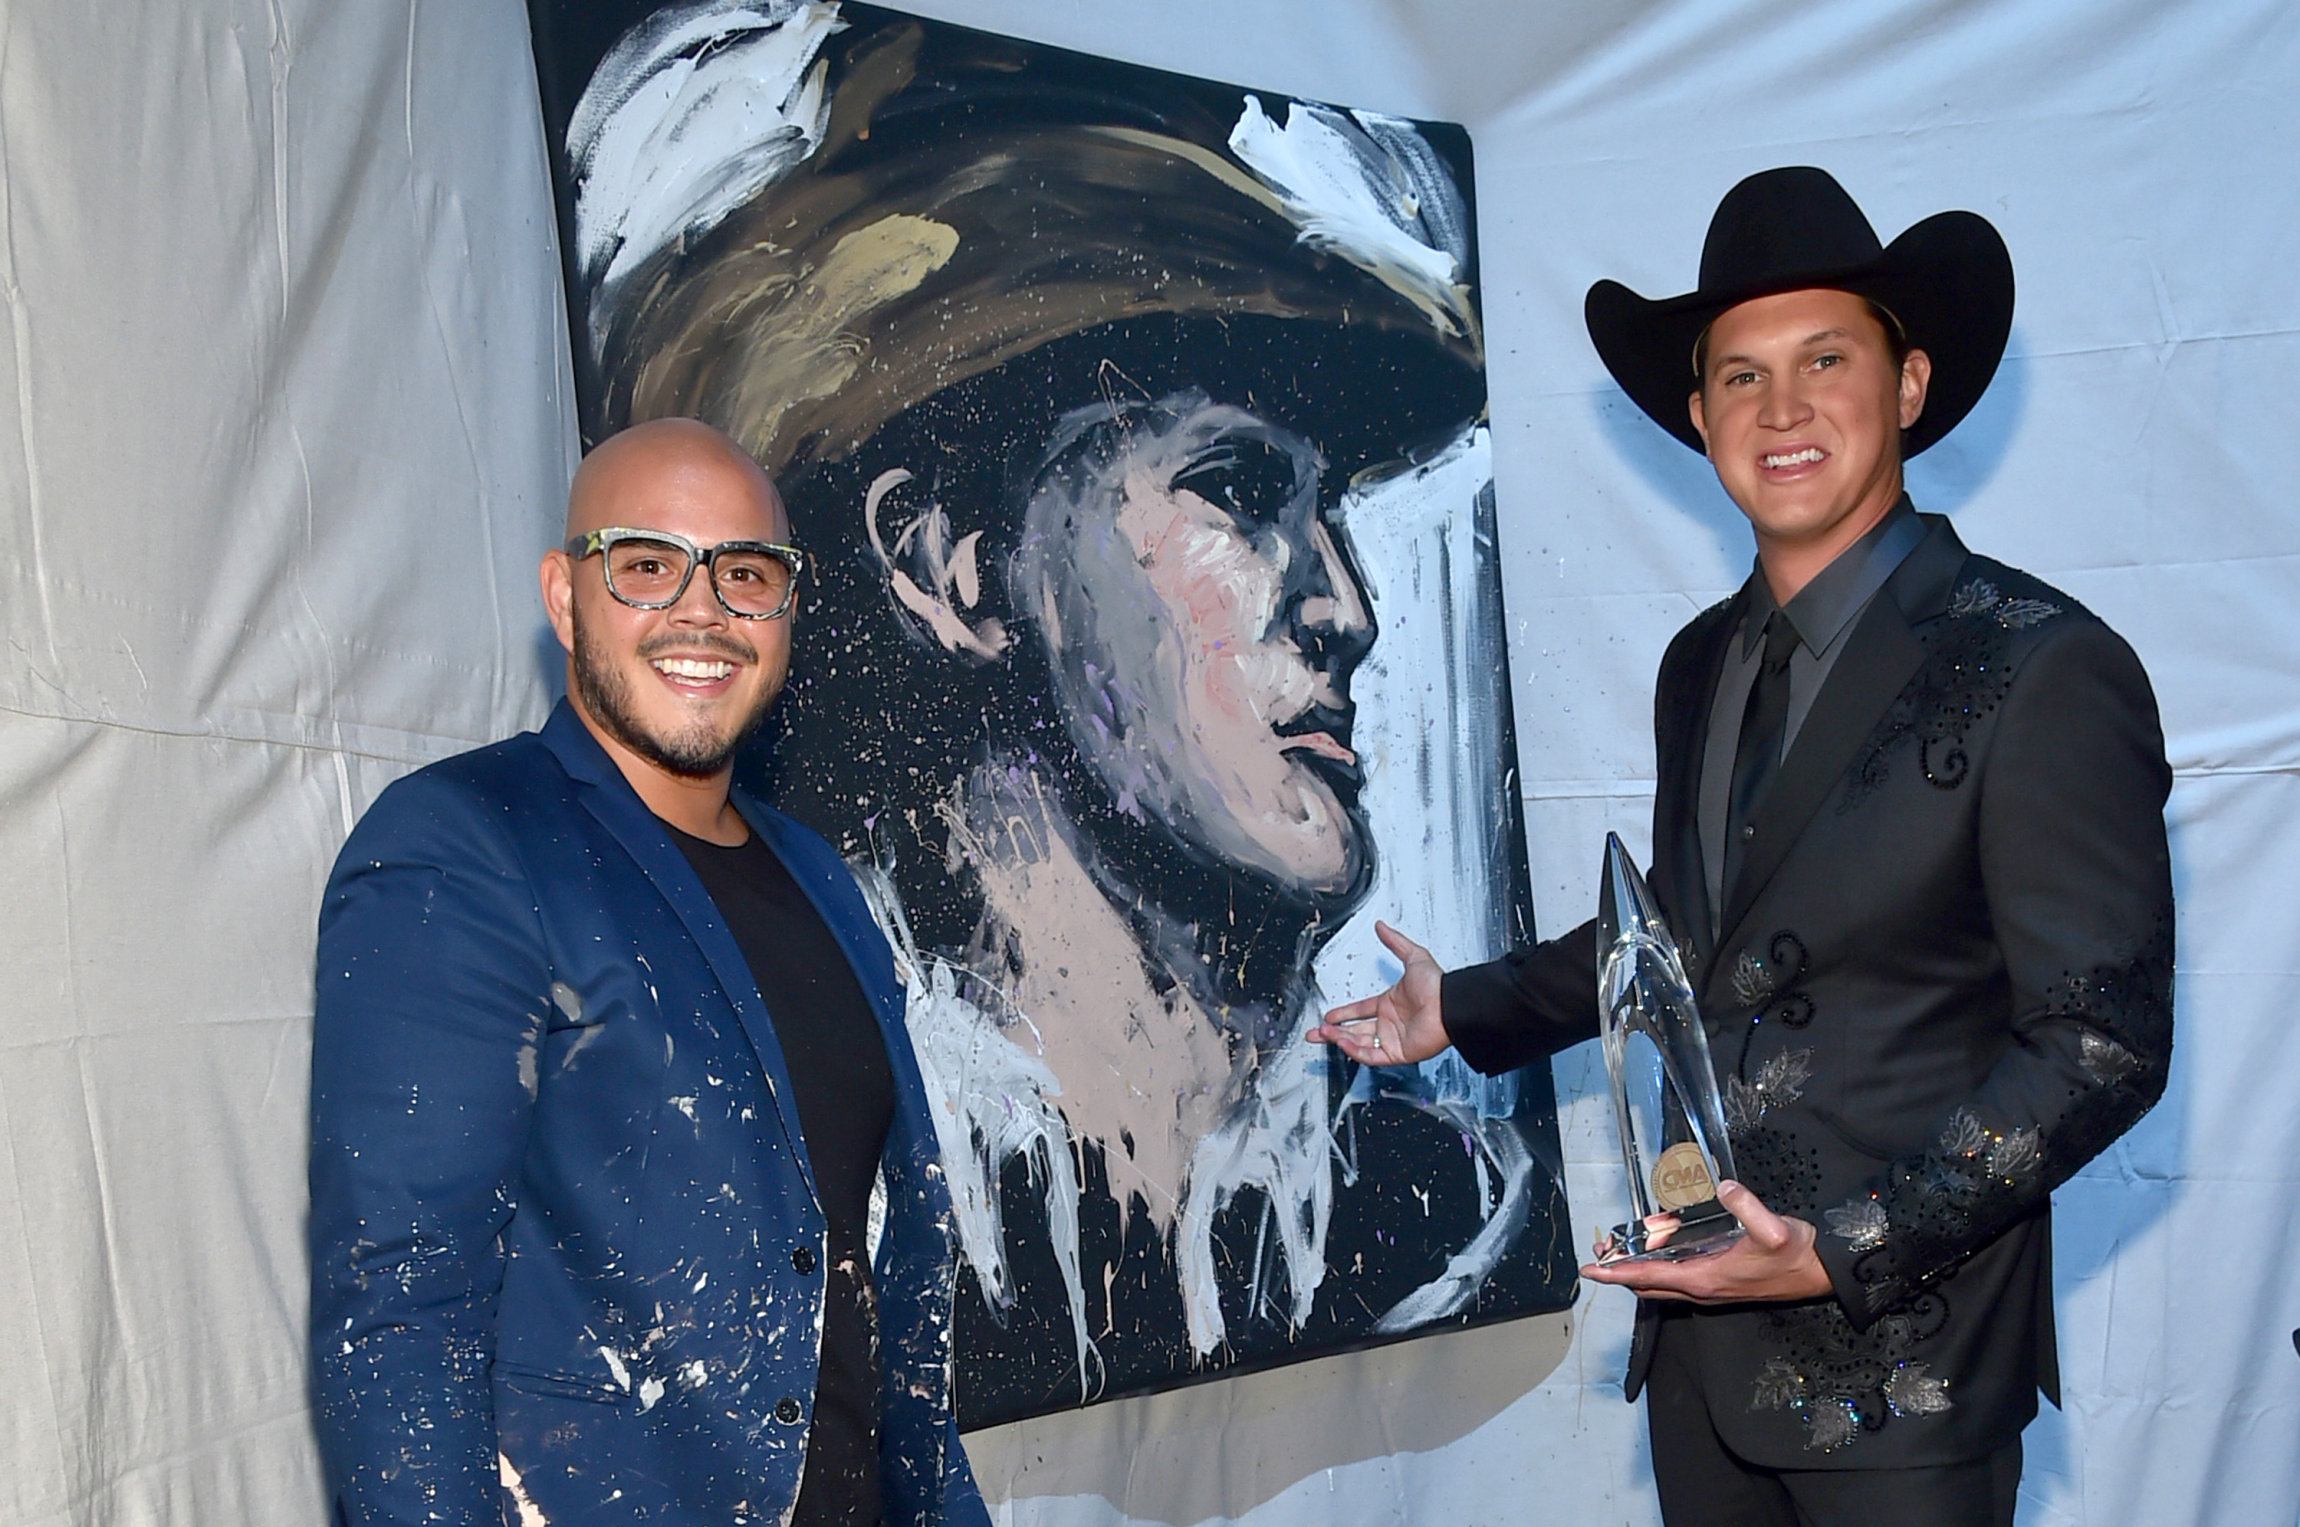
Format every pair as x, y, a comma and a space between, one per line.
1681, 1178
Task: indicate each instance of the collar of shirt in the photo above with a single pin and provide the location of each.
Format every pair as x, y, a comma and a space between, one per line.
1823, 610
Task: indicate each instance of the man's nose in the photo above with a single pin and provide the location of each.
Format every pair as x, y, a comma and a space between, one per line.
1332, 613
1785, 405
698, 603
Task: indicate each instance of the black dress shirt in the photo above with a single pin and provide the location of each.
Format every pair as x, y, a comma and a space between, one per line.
1821, 613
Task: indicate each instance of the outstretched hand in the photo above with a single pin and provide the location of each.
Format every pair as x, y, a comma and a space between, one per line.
1399, 1025
1773, 1260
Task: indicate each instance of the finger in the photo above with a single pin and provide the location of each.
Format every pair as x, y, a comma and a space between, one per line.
1355, 1012
1759, 1223
1401, 946
1647, 1280
1342, 1023
1364, 1044
1695, 1281
1640, 1276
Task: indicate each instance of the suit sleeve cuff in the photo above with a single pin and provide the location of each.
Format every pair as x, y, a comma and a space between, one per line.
1480, 1007
1529, 1003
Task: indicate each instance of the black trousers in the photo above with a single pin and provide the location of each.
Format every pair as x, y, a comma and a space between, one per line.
1704, 1484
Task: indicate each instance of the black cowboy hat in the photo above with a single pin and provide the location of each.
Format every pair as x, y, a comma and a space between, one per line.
1948, 280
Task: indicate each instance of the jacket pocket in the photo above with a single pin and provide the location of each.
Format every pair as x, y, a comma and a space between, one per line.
1860, 1143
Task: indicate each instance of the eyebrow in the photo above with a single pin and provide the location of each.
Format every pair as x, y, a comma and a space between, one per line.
1818, 336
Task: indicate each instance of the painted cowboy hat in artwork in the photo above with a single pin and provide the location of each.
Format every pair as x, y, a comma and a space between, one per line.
936, 203
1948, 280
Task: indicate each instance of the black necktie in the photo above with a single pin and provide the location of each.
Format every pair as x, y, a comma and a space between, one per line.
1757, 757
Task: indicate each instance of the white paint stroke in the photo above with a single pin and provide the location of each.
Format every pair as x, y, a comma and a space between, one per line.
530, 1514
992, 1103
1370, 189
1428, 732
692, 113
950, 567
1273, 1142
1499, 1142
1429, 738
1185, 1112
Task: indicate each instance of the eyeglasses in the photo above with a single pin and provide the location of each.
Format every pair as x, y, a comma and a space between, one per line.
649, 570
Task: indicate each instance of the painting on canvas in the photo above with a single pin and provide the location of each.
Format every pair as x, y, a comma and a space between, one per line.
1152, 646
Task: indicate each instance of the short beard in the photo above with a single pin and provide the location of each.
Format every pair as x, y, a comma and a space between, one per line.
696, 753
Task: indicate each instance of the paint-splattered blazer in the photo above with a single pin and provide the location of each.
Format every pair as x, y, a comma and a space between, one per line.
567, 1261
1942, 985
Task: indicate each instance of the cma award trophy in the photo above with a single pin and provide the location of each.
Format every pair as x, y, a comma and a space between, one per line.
1665, 1097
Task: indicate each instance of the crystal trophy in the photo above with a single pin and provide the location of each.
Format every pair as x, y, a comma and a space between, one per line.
1665, 1099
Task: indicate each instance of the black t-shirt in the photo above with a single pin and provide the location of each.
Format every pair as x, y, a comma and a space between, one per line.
844, 1090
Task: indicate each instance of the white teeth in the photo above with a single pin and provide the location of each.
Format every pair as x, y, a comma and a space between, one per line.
693, 668
1810, 453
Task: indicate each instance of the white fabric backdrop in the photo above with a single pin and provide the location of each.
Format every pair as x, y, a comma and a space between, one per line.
283, 424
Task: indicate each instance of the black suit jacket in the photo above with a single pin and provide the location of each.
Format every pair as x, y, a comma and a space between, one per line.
1942, 984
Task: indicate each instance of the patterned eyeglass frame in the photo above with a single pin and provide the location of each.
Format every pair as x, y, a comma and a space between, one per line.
596, 542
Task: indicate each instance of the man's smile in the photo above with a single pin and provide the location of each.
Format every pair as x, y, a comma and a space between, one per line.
1776, 461
693, 670
696, 662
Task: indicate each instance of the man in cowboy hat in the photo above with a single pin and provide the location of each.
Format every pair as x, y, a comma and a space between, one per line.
1908, 829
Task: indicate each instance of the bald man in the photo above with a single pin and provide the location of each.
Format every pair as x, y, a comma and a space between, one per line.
625, 1202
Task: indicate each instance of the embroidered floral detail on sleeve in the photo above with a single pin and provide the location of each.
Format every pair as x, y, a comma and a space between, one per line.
1975, 598
1913, 1391
2015, 1157
1860, 1223
2018, 614
2009, 1157
2113, 1049
1966, 1135
2104, 1060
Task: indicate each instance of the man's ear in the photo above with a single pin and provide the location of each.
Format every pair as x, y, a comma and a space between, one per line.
557, 575
935, 580
1916, 377
1700, 419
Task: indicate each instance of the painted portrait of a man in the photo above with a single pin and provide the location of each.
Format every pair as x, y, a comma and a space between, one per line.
1134, 427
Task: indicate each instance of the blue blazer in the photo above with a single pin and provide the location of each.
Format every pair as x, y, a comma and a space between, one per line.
566, 1249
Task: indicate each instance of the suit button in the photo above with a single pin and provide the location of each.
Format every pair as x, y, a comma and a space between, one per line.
1748, 832
803, 1259
787, 1411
